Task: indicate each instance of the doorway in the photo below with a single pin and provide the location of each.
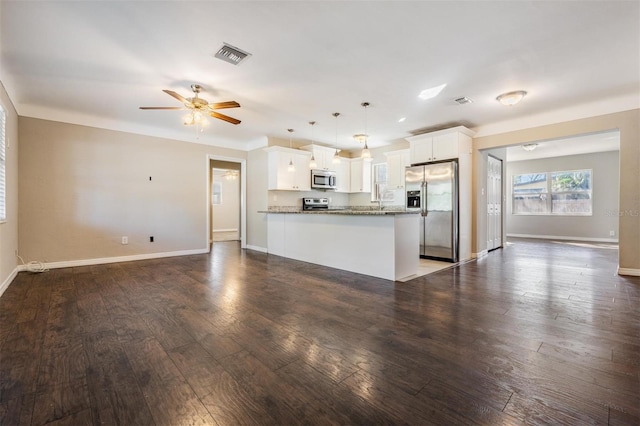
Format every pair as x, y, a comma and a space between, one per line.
226, 201
494, 203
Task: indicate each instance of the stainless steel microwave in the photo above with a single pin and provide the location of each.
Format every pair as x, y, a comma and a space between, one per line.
323, 179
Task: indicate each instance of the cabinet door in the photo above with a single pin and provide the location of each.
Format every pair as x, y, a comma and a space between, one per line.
280, 178
421, 151
445, 147
343, 175
360, 175
396, 165
302, 175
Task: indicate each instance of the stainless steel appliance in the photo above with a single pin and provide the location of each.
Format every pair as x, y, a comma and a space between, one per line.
433, 189
323, 179
315, 204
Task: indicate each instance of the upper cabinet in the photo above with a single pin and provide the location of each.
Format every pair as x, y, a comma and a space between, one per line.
323, 156
397, 162
441, 145
279, 176
360, 175
343, 174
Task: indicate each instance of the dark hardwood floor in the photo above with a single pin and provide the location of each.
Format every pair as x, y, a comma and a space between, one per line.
536, 333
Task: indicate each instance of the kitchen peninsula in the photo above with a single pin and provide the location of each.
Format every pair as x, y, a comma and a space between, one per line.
380, 243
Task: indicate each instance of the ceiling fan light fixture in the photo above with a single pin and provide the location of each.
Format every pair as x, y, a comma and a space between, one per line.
511, 98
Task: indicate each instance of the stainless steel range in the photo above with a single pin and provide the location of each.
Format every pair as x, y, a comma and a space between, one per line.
315, 204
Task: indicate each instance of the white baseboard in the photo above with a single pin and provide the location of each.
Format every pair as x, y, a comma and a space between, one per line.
5, 284
481, 254
225, 230
629, 271
256, 248
565, 238
103, 260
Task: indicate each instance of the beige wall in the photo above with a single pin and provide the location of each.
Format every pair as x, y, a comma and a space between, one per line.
226, 215
83, 188
257, 184
627, 123
9, 229
605, 200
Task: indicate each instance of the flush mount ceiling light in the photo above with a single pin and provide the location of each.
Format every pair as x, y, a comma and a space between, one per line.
511, 98
364, 136
432, 92
312, 162
401, 120
529, 146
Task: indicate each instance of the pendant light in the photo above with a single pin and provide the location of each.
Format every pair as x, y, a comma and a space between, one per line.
336, 156
312, 163
365, 151
291, 167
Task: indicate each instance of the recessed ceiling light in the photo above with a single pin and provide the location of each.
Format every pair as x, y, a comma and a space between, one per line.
402, 119
433, 92
511, 98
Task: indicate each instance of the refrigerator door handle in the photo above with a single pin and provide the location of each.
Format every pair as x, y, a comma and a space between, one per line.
423, 198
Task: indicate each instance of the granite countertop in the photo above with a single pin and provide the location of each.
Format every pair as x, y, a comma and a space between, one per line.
357, 211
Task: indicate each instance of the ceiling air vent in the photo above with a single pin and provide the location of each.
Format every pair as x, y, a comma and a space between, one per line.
463, 100
231, 54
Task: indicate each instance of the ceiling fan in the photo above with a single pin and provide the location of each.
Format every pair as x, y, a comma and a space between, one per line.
198, 106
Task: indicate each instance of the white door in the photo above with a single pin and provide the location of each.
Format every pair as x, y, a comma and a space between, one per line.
494, 203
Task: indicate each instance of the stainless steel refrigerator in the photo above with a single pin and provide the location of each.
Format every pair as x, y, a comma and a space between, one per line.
433, 189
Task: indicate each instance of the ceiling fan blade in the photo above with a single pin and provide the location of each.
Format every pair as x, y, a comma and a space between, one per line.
224, 117
161, 107
177, 96
223, 105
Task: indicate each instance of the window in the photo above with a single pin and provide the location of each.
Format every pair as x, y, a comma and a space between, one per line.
380, 191
553, 193
3, 167
216, 194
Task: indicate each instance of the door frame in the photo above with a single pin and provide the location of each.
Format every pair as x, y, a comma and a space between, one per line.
501, 198
243, 196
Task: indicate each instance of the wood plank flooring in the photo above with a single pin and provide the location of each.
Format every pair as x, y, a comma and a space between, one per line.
535, 333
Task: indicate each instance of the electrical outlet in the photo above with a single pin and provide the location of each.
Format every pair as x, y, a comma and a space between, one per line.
612, 233
125, 240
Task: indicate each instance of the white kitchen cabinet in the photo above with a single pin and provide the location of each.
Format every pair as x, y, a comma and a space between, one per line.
360, 175
437, 146
279, 176
323, 156
397, 161
343, 174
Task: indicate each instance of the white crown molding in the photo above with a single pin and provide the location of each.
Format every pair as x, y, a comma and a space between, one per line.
576, 112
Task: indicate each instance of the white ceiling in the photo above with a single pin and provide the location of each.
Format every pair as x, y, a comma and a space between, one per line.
96, 62
582, 144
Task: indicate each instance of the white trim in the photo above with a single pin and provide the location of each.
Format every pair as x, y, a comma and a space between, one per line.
116, 259
5, 285
479, 255
562, 237
629, 271
243, 196
257, 248
575, 112
225, 230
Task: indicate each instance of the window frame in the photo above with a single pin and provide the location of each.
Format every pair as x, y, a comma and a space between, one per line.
550, 192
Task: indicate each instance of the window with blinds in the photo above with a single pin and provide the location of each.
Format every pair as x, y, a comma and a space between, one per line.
3, 166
